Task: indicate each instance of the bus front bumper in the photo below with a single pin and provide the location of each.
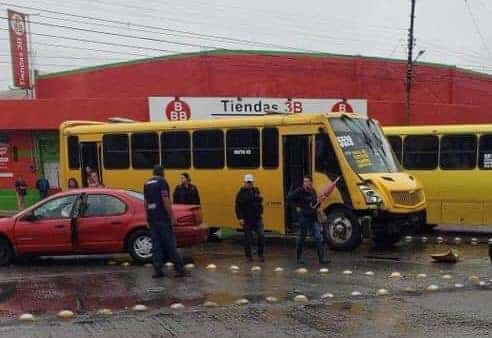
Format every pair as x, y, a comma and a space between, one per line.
391, 223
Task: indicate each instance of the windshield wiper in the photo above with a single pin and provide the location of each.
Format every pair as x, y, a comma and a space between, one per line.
371, 124
368, 140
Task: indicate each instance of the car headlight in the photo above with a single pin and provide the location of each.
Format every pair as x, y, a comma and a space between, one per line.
370, 195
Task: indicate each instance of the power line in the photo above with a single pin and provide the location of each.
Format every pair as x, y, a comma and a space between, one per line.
46, 64
67, 57
311, 34
84, 48
477, 28
107, 43
118, 34
129, 24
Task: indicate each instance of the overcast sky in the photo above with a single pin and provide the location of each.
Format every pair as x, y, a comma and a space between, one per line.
455, 32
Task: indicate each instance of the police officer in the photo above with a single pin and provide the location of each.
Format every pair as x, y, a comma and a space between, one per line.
161, 219
249, 211
306, 202
186, 193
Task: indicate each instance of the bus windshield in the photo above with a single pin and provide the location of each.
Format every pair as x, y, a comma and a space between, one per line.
364, 145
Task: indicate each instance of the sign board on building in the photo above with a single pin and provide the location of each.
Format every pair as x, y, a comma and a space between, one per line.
19, 49
186, 108
4, 156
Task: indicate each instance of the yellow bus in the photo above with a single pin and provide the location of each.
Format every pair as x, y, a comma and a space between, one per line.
373, 197
454, 163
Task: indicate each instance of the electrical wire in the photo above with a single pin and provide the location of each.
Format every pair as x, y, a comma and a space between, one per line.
477, 28
107, 43
182, 32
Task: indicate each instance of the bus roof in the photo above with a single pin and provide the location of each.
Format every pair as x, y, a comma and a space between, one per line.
87, 127
438, 129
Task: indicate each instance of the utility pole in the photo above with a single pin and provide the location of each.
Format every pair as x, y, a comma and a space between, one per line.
410, 63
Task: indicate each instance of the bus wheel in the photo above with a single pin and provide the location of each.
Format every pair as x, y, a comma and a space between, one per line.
426, 228
342, 230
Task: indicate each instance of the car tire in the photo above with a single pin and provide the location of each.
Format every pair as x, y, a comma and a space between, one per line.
6, 252
139, 246
342, 230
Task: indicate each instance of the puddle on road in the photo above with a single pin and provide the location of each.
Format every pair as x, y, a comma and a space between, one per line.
95, 285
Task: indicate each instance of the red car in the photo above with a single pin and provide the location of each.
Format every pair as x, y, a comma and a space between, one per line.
91, 221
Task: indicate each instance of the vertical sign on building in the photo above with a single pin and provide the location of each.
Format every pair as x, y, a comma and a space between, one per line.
19, 49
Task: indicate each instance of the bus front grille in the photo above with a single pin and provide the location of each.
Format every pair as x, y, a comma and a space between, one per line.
408, 198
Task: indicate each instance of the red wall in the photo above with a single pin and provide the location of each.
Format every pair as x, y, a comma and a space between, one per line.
49, 114
22, 140
440, 94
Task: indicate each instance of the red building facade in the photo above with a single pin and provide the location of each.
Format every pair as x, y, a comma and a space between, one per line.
441, 94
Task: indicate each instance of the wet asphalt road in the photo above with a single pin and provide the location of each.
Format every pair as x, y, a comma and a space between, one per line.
84, 285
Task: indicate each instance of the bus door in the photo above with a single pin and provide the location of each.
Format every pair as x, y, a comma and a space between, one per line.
90, 156
296, 164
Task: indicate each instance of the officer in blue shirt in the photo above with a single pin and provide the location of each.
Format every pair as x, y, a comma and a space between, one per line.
161, 219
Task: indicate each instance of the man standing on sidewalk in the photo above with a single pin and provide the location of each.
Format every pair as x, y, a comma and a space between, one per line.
43, 186
249, 211
161, 219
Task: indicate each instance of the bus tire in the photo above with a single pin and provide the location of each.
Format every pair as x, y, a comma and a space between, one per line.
342, 230
138, 246
6, 252
426, 228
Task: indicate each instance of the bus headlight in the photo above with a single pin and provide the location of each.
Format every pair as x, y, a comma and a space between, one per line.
370, 195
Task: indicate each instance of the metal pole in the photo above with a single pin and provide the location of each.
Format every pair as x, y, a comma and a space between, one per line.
410, 64
31, 58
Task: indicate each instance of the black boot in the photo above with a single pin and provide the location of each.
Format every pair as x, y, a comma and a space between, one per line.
300, 261
321, 257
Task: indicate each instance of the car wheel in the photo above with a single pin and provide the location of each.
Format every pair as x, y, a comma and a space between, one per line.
6, 252
140, 246
342, 230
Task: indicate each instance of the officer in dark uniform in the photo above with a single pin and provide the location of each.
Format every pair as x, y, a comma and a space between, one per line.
186, 193
249, 211
306, 202
161, 219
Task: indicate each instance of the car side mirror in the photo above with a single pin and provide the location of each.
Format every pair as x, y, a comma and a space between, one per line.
30, 217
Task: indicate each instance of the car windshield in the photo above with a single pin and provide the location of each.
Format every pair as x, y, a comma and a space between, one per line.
137, 195
364, 145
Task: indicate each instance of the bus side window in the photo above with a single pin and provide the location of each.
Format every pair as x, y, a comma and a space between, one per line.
420, 152
208, 149
396, 145
73, 152
116, 152
145, 150
458, 152
243, 148
326, 158
269, 144
485, 152
176, 150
